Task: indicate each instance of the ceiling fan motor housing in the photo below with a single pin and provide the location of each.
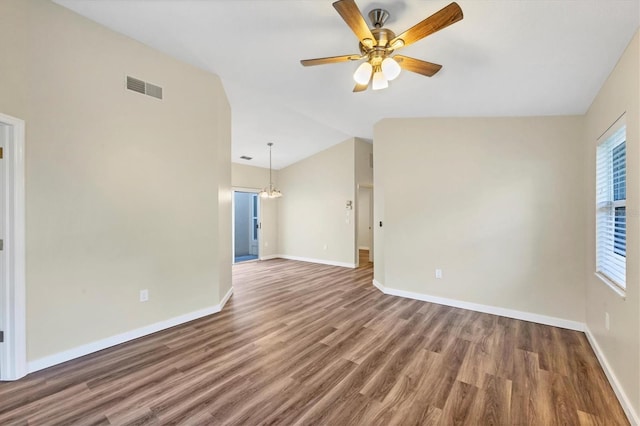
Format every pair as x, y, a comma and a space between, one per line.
379, 51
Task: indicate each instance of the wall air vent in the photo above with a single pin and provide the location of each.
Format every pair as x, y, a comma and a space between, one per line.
143, 87
244, 157
153, 90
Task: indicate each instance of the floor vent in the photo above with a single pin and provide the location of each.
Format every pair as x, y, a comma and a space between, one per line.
143, 87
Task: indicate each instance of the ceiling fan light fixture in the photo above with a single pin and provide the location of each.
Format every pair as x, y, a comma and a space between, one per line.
378, 44
379, 81
368, 43
363, 73
397, 44
390, 68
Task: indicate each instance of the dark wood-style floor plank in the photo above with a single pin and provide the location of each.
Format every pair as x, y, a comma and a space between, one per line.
308, 344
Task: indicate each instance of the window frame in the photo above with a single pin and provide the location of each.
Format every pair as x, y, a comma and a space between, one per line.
255, 219
609, 206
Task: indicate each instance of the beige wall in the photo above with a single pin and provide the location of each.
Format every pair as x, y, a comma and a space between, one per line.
312, 211
250, 177
493, 202
379, 173
363, 169
621, 343
124, 192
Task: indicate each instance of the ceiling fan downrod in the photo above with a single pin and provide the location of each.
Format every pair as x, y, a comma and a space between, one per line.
378, 17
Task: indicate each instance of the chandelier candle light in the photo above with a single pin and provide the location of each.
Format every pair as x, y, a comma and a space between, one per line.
270, 191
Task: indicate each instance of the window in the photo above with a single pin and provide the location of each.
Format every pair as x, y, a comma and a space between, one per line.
611, 206
254, 217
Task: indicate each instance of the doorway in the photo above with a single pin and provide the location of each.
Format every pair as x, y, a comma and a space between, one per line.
246, 226
13, 345
364, 234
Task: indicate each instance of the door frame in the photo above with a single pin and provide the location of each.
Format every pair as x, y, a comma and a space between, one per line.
357, 215
235, 189
13, 352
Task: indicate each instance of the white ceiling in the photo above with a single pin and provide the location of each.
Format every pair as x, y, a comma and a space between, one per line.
505, 58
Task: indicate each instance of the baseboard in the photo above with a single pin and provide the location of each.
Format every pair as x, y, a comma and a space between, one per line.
633, 417
269, 257
321, 261
77, 352
225, 299
488, 309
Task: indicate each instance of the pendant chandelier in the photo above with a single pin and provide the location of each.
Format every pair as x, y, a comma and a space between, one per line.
270, 191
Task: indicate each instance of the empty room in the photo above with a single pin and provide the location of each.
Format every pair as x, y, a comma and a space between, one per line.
284, 212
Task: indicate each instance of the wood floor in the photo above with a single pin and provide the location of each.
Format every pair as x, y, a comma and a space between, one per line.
307, 344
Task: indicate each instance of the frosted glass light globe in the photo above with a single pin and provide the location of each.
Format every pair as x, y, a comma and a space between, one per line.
379, 82
390, 68
363, 73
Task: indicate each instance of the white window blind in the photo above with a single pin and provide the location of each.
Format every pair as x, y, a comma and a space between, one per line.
611, 202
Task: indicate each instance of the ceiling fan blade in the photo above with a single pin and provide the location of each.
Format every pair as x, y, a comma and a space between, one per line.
441, 19
416, 65
329, 60
360, 87
354, 19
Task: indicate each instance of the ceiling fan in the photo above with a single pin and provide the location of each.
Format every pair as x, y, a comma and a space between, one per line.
378, 44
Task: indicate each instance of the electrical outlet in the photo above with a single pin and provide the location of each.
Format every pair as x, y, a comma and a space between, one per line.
324, 247
438, 273
266, 244
144, 295
607, 321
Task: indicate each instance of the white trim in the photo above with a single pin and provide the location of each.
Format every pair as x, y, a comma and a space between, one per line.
269, 257
245, 189
363, 248
633, 417
13, 353
321, 261
495, 310
612, 286
77, 352
225, 299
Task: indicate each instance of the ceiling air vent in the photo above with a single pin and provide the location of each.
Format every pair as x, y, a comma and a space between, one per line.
143, 87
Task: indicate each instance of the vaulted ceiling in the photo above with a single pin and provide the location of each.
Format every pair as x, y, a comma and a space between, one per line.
505, 58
